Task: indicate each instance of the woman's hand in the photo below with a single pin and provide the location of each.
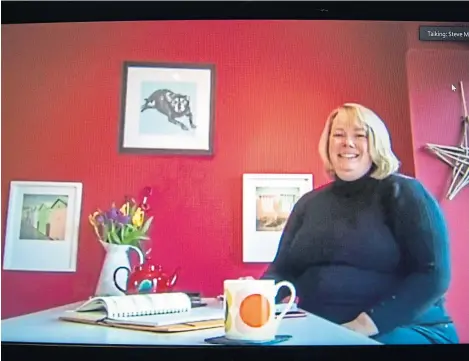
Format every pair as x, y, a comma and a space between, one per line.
363, 324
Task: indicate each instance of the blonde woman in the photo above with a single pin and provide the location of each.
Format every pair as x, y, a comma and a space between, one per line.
370, 250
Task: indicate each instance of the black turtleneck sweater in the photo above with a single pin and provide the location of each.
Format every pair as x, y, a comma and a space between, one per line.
374, 246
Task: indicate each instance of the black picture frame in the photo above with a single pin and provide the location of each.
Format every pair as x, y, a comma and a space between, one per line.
167, 108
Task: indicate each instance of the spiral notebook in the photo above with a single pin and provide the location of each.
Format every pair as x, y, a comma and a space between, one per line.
162, 312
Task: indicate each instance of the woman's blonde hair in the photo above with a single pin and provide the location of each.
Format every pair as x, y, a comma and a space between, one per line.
379, 141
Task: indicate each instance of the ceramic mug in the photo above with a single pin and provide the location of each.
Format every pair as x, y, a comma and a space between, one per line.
249, 307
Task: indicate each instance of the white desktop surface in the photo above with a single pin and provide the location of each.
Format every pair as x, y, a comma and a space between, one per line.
45, 327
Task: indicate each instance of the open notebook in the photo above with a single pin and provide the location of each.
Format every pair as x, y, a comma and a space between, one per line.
161, 312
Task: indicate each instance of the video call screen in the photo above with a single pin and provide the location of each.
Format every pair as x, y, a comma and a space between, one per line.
151, 170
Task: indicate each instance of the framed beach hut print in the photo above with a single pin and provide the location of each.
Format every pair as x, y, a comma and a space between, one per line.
268, 200
43, 219
167, 108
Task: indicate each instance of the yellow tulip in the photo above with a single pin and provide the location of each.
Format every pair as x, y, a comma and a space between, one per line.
94, 223
125, 209
137, 219
92, 219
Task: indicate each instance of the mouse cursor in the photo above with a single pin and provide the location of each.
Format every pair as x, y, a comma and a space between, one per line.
453, 88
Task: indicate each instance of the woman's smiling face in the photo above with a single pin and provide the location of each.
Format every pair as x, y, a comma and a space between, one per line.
348, 147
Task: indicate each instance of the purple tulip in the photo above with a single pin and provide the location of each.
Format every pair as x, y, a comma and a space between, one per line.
123, 219
99, 219
113, 213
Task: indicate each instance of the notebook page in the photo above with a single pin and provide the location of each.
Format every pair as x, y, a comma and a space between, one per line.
107, 304
150, 304
90, 316
138, 305
193, 315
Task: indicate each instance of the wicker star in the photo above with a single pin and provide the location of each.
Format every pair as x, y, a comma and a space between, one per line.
456, 157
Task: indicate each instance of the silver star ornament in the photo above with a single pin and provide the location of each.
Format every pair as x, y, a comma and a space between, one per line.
457, 157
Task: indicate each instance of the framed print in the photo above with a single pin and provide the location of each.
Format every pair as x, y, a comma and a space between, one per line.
43, 220
167, 109
268, 200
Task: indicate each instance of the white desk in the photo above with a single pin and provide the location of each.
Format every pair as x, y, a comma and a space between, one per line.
44, 327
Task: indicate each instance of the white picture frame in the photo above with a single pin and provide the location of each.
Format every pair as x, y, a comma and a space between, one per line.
42, 229
267, 203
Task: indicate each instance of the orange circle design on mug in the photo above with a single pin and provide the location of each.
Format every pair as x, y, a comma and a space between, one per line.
255, 310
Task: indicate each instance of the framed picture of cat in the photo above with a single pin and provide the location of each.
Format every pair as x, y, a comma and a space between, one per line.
167, 108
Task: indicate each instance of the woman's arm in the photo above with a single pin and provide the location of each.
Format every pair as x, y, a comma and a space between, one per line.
420, 230
279, 269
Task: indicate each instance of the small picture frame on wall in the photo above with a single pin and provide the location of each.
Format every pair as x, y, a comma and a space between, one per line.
43, 220
268, 200
167, 108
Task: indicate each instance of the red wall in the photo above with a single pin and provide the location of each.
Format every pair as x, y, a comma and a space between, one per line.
436, 118
276, 83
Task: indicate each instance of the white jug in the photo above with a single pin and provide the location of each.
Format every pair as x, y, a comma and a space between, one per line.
116, 256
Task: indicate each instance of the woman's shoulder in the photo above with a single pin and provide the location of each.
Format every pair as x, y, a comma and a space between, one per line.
400, 178
314, 195
399, 185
